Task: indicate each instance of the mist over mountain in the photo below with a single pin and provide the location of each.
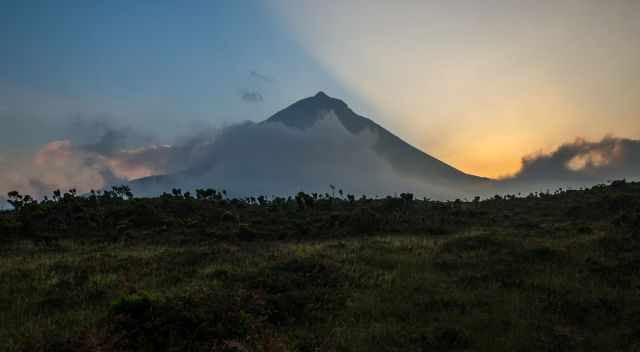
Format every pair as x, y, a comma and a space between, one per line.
315, 142
319, 141
308, 146
403, 157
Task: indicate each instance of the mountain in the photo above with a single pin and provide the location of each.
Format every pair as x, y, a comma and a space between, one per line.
400, 154
315, 142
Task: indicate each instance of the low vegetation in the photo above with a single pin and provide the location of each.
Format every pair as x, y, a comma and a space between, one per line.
109, 272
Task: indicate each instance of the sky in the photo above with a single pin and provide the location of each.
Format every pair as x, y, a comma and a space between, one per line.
479, 84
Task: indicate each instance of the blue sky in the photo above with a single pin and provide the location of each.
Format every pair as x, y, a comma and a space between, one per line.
156, 65
476, 83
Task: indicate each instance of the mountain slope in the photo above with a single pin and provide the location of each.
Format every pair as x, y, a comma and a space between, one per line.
402, 156
307, 146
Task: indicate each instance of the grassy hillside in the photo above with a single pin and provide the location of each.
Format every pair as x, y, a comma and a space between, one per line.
547, 272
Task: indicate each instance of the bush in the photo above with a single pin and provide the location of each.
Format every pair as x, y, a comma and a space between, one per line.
229, 218
143, 321
363, 220
445, 339
7, 226
299, 290
246, 233
135, 305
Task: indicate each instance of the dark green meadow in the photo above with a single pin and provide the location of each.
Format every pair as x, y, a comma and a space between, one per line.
546, 272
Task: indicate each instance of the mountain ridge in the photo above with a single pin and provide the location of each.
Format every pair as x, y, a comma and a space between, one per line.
305, 112
307, 168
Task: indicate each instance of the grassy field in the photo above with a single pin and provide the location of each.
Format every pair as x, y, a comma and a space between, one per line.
552, 272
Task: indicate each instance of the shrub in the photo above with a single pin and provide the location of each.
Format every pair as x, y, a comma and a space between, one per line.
135, 305
363, 220
143, 321
229, 218
299, 290
7, 226
246, 233
445, 339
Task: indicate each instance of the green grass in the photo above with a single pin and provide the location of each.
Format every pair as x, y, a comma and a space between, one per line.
501, 275
479, 290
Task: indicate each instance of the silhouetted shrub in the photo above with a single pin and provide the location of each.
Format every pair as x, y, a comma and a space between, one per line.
407, 197
584, 230
619, 183
304, 201
299, 289
474, 243
8, 227
229, 218
145, 322
445, 339
110, 214
246, 233
364, 220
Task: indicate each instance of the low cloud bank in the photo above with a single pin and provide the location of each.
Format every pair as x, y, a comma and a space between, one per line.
245, 159
273, 159
61, 164
579, 164
95, 154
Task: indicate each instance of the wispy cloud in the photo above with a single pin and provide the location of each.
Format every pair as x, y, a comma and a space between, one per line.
261, 77
248, 96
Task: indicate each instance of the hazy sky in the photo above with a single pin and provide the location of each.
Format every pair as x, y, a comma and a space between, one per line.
478, 84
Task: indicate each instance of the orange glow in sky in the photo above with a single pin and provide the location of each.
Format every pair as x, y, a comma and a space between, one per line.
482, 84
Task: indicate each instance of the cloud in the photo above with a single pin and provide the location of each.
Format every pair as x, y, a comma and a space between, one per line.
263, 78
62, 165
581, 163
31, 118
249, 96
95, 155
273, 159
258, 82
57, 164
100, 133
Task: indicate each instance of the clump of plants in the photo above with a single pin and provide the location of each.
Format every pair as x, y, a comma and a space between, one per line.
144, 321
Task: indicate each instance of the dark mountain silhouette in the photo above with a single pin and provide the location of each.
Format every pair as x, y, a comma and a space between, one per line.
382, 162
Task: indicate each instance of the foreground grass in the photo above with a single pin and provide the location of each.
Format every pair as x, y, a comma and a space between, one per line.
484, 289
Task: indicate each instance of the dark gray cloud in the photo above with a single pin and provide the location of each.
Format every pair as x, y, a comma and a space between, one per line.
101, 134
259, 82
251, 96
580, 163
258, 76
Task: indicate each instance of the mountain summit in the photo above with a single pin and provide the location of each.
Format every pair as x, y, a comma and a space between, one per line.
314, 142
402, 156
304, 113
